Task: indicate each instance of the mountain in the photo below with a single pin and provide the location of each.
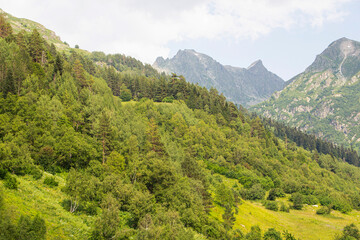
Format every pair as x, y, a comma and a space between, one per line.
324, 99
26, 25
246, 86
96, 146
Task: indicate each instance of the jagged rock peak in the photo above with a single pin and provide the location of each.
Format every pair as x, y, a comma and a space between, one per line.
256, 64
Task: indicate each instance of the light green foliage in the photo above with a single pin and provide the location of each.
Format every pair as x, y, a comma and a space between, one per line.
144, 168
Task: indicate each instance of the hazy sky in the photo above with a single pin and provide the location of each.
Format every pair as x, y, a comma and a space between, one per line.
285, 34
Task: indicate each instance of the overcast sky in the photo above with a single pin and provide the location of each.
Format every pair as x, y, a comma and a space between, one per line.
285, 34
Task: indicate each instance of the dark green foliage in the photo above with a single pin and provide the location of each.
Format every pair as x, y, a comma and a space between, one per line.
349, 232
51, 182
36, 172
34, 229
323, 210
271, 205
311, 142
272, 234
310, 200
3, 173
10, 182
275, 193
298, 201
254, 234
288, 236
228, 218
256, 192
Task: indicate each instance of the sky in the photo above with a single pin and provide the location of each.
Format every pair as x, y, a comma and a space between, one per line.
285, 34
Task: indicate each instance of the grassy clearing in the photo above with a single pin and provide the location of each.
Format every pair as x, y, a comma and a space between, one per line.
33, 197
304, 224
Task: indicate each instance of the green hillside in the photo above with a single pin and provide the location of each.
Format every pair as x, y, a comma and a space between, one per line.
90, 150
26, 25
323, 100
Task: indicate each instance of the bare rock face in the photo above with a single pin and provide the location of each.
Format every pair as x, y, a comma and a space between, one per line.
245, 86
325, 98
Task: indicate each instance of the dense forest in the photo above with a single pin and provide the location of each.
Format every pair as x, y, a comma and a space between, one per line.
145, 154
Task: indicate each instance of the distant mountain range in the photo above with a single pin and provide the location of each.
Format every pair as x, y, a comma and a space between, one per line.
325, 98
245, 86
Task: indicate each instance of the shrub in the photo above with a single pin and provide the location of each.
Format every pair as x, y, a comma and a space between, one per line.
272, 234
311, 200
3, 173
323, 210
284, 208
36, 173
10, 182
271, 205
168, 99
256, 192
51, 182
298, 200
274, 193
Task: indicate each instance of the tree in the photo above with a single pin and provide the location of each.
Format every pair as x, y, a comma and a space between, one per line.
36, 47
228, 218
80, 73
81, 188
254, 234
116, 162
350, 232
272, 234
104, 131
297, 199
5, 27
125, 93
108, 223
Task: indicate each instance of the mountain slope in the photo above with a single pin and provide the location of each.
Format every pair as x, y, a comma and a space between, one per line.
22, 24
324, 99
246, 86
159, 159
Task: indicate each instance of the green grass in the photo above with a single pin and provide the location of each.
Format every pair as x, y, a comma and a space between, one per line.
33, 197
304, 224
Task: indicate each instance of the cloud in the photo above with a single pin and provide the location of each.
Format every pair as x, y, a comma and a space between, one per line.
143, 28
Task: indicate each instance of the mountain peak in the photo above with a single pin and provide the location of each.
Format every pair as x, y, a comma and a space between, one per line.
256, 64
341, 56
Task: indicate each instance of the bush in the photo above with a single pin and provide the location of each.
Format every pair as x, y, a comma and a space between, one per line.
36, 173
311, 200
3, 173
275, 193
298, 200
168, 99
271, 205
10, 182
284, 208
272, 234
51, 182
256, 192
323, 210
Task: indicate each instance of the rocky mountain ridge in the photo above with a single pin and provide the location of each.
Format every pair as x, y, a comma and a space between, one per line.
246, 86
324, 99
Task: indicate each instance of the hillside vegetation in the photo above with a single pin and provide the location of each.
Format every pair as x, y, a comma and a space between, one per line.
92, 151
323, 100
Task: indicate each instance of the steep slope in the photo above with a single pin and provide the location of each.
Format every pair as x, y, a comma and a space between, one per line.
77, 162
324, 99
22, 24
246, 86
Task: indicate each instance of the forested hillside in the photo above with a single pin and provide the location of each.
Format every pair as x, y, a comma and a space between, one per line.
96, 146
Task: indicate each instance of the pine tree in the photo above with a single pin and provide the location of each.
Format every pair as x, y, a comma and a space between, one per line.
5, 27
